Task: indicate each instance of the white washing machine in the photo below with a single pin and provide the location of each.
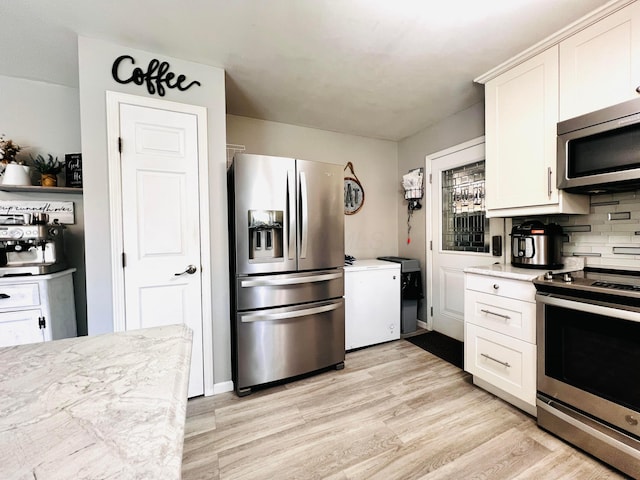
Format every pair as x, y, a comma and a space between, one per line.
372, 302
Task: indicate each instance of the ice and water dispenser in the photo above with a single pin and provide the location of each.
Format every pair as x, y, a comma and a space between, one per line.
265, 235
411, 291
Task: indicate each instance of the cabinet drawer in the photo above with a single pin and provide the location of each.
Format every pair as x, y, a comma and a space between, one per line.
18, 296
501, 287
501, 314
502, 361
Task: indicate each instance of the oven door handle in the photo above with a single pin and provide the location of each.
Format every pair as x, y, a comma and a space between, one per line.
623, 312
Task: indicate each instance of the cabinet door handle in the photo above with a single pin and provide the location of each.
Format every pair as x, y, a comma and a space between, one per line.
489, 312
489, 357
4, 295
549, 181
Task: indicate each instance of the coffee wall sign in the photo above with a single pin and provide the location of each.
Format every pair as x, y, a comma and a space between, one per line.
156, 77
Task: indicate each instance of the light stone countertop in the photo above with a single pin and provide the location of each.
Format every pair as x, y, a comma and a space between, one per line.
571, 264
110, 406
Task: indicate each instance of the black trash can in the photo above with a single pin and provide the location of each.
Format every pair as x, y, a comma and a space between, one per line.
411, 291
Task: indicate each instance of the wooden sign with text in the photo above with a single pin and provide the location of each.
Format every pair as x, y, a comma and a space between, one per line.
63, 212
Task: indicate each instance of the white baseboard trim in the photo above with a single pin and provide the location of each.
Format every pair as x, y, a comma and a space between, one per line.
422, 324
222, 387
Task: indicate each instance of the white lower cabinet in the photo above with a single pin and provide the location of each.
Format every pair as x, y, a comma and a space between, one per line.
507, 316
503, 361
37, 308
500, 338
17, 328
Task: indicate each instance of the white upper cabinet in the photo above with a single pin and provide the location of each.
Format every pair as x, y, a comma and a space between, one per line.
521, 120
600, 65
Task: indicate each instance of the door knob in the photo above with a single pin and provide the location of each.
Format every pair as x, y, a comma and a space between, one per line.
191, 269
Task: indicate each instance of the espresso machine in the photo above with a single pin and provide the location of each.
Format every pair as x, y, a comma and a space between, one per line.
30, 245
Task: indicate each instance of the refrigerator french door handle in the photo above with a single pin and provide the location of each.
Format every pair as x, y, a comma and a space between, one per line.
291, 209
304, 215
259, 282
257, 317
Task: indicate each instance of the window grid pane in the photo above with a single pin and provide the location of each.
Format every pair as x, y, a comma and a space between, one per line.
465, 226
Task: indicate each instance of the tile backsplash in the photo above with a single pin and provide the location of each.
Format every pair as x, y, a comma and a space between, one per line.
608, 236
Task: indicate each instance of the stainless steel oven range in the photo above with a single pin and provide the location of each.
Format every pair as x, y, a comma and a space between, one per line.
588, 328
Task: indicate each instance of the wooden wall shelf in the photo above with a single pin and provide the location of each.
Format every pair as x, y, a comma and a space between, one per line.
38, 189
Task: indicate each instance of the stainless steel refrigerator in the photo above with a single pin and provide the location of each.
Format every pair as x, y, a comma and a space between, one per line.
286, 227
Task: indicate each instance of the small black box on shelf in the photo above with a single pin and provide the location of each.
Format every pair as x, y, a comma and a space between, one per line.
73, 169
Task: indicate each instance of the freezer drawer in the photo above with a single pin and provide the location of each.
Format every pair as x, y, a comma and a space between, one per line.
284, 342
266, 291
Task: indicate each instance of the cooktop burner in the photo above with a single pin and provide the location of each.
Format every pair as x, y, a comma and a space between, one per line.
592, 281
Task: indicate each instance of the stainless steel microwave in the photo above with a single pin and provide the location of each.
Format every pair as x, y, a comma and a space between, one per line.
600, 151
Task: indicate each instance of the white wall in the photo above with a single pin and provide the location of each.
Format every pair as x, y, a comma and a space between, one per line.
369, 233
45, 118
451, 131
95, 61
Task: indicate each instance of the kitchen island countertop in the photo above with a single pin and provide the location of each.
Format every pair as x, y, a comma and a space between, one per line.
109, 406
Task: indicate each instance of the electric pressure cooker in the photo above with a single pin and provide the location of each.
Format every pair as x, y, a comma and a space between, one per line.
536, 245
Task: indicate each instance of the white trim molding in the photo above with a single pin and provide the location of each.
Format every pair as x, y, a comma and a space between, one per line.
554, 39
114, 100
428, 207
222, 387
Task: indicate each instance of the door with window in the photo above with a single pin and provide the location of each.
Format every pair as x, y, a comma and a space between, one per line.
458, 232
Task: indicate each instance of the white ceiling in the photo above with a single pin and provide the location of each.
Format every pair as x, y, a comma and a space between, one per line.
377, 68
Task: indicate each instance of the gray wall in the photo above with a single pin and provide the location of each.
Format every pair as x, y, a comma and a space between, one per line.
45, 118
378, 229
95, 60
456, 129
369, 233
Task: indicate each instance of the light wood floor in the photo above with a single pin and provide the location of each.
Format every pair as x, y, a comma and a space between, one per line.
394, 412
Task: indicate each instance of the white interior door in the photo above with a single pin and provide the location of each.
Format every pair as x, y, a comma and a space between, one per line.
454, 232
160, 224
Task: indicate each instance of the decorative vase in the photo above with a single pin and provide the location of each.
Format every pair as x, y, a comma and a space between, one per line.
49, 180
15, 174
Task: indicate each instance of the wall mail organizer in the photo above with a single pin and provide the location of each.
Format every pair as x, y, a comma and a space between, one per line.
413, 188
